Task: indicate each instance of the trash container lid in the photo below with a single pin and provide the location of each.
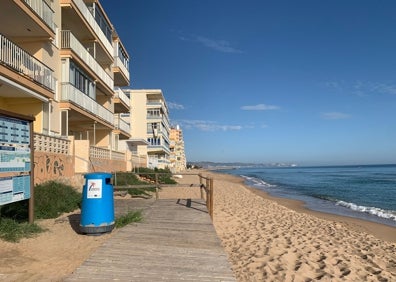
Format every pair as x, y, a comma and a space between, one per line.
98, 175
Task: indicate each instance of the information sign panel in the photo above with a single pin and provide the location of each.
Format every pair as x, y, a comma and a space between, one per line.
15, 160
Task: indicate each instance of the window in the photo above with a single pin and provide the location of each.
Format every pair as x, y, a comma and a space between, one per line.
81, 81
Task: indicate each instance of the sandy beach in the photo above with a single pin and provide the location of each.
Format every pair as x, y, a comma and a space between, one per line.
270, 240
266, 239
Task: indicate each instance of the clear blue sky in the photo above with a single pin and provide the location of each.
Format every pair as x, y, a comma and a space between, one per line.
306, 82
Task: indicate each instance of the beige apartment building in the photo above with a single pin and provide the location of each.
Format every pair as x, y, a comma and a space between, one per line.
150, 127
63, 63
178, 160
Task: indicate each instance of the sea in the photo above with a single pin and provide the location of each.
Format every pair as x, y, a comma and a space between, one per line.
366, 192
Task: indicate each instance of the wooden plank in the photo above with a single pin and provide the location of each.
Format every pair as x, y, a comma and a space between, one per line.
176, 241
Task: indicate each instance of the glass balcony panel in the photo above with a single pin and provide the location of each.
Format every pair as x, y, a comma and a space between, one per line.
43, 10
69, 41
92, 22
72, 94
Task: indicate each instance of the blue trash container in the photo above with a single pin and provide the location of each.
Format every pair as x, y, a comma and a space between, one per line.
97, 209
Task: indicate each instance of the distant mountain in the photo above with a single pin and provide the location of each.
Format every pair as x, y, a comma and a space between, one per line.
216, 165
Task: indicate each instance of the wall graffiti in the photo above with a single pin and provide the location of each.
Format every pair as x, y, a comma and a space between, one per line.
49, 166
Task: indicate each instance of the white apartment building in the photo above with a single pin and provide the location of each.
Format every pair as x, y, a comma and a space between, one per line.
150, 126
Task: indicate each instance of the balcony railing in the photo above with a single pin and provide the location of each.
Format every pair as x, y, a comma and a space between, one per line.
69, 41
94, 25
104, 153
118, 63
22, 62
122, 96
121, 124
43, 10
51, 144
70, 93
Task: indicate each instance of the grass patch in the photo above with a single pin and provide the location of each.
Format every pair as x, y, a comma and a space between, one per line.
127, 178
164, 175
51, 199
146, 192
132, 216
12, 230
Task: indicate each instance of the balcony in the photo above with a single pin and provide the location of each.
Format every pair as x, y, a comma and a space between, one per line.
71, 94
121, 101
121, 65
41, 8
83, 11
69, 41
122, 125
27, 19
25, 64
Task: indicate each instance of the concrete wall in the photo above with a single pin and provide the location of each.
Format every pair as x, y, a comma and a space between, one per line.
51, 166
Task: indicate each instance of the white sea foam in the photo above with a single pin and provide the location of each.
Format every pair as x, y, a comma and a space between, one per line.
257, 182
370, 210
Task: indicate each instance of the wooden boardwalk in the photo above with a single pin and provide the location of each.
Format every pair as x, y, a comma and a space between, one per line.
176, 242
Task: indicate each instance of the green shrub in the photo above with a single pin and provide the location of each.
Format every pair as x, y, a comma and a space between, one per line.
164, 175
141, 191
132, 216
51, 199
126, 178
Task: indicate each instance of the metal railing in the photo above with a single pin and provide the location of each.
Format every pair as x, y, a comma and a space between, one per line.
72, 94
22, 62
94, 25
43, 10
69, 41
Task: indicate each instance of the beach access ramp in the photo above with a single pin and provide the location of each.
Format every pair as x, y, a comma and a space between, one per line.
175, 242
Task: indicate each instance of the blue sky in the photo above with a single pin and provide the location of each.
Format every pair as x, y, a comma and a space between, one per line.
306, 82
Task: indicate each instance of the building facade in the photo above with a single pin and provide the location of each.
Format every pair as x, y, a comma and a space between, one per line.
178, 160
149, 119
63, 63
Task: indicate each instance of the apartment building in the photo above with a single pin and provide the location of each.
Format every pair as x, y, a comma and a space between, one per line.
150, 126
62, 62
178, 160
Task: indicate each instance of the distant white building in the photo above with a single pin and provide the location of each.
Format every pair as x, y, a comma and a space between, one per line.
149, 119
177, 153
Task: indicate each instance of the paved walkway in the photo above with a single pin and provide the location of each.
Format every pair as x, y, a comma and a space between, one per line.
176, 242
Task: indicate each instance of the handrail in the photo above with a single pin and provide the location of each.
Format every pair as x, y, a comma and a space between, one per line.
207, 187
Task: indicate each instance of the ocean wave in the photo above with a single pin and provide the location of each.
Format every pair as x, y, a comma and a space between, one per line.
257, 182
370, 210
